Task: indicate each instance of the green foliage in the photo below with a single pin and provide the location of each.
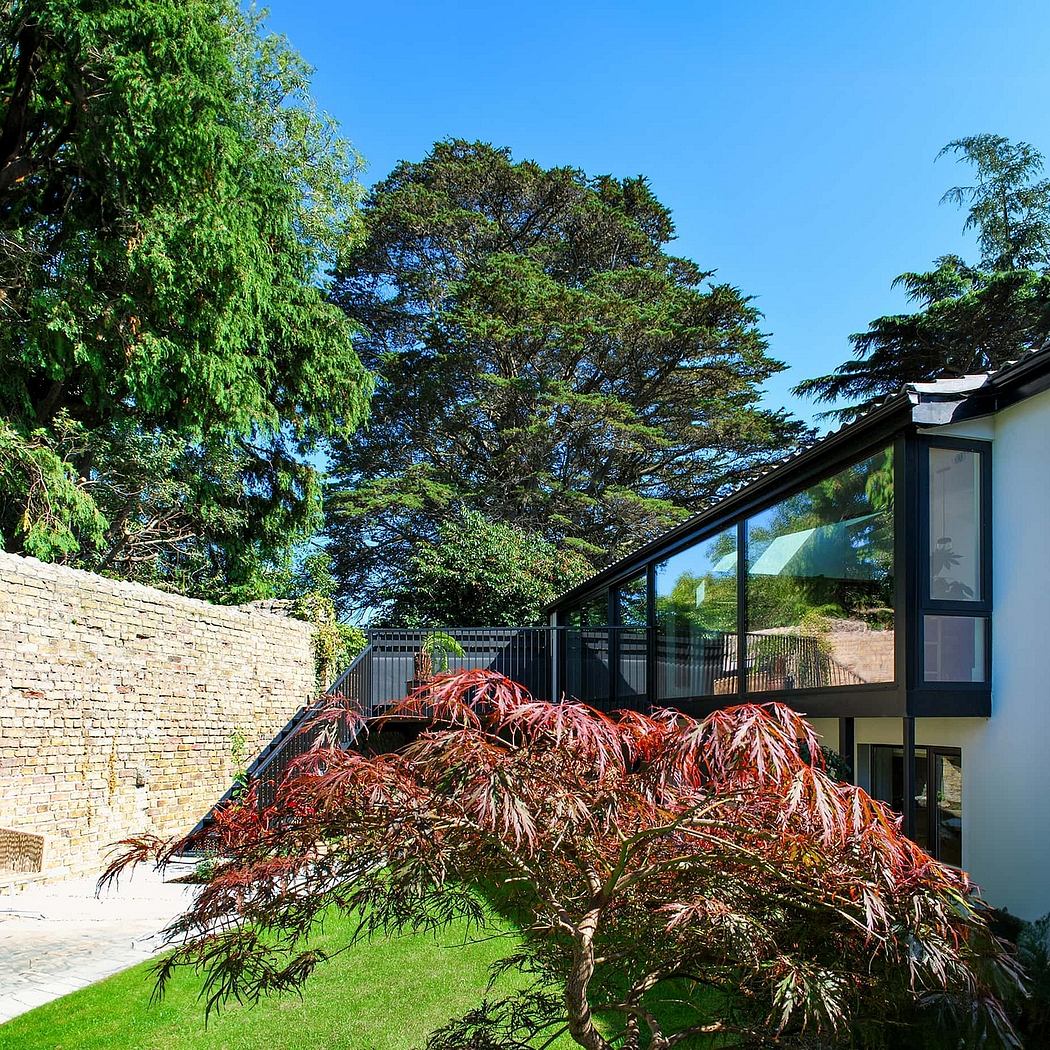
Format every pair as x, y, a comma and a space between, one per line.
541, 359
239, 757
482, 573
217, 518
1034, 951
169, 196
442, 645
41, 493
969, 317
312, 592
1009, 204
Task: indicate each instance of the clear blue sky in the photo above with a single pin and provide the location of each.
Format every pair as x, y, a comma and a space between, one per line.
794, 142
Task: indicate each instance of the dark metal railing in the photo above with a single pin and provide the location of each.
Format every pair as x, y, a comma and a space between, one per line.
788, 661
399, 660
608, 667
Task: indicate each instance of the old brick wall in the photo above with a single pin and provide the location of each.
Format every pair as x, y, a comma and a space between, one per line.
118, 703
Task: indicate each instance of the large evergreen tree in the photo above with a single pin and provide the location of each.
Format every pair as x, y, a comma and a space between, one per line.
542, 359
971, 317
168, 197
482, 573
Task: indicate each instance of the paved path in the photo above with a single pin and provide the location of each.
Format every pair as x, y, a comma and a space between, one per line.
55, 939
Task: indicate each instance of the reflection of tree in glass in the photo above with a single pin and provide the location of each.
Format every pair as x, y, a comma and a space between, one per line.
698, 600
942, 559
633, 603
843, 567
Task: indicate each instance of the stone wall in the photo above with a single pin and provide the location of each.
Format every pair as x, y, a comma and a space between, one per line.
118, 703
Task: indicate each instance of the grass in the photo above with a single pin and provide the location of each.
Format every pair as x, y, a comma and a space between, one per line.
385, 995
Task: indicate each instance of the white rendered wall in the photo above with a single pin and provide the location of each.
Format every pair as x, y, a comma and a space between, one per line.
1006, 758
1007, 791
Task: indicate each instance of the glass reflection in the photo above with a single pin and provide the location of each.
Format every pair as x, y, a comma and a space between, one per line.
955, 525
631, 639
696, 603
954, 648
821, 583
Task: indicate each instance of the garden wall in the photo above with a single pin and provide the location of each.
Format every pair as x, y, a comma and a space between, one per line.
118, 703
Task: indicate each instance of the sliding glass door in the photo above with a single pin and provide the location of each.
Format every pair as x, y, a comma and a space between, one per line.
938, 795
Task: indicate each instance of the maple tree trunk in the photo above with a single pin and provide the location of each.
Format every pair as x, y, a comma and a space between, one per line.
577, 1005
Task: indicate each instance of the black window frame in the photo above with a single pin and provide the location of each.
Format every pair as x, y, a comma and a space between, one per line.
931, 693
879, 698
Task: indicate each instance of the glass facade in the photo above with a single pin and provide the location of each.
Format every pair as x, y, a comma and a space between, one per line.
802, 595
696, 620
820, 583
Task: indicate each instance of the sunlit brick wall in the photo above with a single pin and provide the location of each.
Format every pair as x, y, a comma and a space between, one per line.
118, 703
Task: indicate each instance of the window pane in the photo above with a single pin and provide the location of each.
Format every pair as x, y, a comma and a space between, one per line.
587, 650
955, 525
948, 778
631, 602
820, 583
631, 638
696, 620
595, 611
954, 648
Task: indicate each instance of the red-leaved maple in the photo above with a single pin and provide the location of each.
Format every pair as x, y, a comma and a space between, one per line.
670, 877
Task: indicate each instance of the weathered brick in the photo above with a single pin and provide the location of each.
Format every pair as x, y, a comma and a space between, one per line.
100, 679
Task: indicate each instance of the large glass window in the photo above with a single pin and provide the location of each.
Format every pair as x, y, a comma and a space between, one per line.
696, 603
937, 781
587, 650
630, 639
820, 586
955, 525
955, 645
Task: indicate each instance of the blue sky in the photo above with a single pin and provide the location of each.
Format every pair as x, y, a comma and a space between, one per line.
794, 142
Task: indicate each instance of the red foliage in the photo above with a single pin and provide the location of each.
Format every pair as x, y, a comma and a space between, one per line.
636, 852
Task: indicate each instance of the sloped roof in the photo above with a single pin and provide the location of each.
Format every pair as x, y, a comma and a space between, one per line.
939, 401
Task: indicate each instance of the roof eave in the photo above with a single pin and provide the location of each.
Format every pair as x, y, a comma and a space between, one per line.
895, 413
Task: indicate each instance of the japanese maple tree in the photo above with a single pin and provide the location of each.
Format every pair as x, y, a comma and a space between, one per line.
672, 878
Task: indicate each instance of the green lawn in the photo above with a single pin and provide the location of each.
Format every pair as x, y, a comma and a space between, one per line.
386, 995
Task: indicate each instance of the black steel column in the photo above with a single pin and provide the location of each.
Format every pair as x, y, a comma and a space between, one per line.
909, 777
650, 634
741, 608
847, 740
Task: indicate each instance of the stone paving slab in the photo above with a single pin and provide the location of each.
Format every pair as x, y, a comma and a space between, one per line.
60, 937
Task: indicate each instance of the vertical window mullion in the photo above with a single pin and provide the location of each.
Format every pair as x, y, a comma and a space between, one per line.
741, 607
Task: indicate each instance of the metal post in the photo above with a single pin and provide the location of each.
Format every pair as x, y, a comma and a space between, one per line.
909, 777
741, 608
847, 741
554, 655
650, 635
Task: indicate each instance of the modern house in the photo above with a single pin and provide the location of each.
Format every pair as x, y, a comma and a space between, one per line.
891, 581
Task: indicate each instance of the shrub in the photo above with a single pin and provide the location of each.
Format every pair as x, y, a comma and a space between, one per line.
647, 859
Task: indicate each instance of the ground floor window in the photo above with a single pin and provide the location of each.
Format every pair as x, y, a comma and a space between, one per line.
938, 795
